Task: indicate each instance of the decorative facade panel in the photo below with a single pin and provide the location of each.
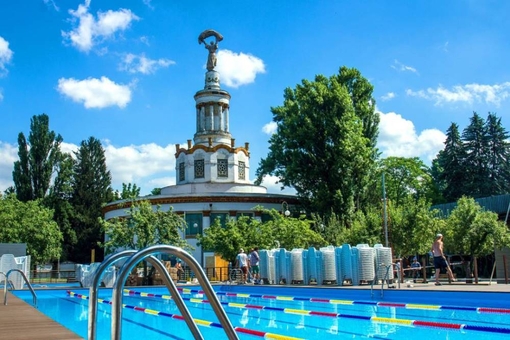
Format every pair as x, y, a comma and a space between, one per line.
199, 168
182, 175
222, 167
241, 170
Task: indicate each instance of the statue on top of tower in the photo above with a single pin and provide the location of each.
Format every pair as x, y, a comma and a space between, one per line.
212, 47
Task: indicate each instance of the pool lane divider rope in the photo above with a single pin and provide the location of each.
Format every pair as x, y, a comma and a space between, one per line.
353, 302
199, 322
404, 322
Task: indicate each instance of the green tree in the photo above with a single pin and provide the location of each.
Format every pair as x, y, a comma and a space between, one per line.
405, 177
474, 231
37, 160
59, 199
412, 226
247, 233
91, 190
451, 166
498, 158
31, 223
143, 227
324, 145
129, 191
156, 191
476, 147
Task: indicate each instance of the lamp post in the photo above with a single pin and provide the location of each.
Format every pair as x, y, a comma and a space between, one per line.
195, 228
285, 209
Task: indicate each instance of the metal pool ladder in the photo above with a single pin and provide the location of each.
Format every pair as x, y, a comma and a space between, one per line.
34, 296
135, 258
385, 279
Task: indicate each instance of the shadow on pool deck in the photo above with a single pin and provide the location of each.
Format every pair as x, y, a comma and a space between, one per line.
20, 320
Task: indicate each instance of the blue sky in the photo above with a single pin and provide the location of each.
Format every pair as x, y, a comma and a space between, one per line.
125, 72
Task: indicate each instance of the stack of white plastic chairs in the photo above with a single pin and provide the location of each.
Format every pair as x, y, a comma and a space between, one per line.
297, 266
366, 262
328, 265
267, 266
339, 266
8, 262
383, 259
283, 270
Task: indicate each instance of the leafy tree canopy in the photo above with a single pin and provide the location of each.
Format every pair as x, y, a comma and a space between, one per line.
474, 231
247, 232
38, 159
31, 223
143, 227
324, 145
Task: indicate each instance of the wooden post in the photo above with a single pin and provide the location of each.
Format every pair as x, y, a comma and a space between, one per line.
401, 271
92, 256
475, 265
424, 270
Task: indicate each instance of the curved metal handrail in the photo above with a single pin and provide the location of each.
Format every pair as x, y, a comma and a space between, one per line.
6, 280
385, 279
93, 291
34, 296
200, 275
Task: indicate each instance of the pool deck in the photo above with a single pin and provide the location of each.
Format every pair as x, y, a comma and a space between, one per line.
21, 320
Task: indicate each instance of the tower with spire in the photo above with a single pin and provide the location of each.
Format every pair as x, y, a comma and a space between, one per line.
212, 158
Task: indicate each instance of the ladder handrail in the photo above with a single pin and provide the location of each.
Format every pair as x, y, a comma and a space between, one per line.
34, 296
192, 263
6, 280
93, 291
386, 276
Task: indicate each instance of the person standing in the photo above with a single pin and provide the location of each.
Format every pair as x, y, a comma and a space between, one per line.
242, 263
254, 265
440, 259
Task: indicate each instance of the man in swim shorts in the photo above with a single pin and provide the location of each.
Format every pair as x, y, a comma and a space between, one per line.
440, 260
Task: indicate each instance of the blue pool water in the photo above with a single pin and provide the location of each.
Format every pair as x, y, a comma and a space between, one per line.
289, 313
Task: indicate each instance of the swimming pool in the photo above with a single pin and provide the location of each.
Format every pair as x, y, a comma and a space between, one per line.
288, 313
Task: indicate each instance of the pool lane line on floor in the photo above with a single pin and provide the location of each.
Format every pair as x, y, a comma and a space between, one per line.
199, 322
354, 302
404, 322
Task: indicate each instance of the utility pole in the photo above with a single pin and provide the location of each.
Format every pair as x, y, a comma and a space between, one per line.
385, 216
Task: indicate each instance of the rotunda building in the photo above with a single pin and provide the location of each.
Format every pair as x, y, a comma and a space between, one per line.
212, 172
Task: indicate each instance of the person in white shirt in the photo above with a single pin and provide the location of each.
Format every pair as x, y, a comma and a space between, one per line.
242, 263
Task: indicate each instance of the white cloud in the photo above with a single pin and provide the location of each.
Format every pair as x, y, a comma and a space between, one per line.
270, 128
140, 63
8, 155
238, 69
1, 95
273, 187
388, 96
398, 137
91, 30
397, 65
144, 39
95, 93
148, 3
469, 93
51, 4
5, 55
144, 165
